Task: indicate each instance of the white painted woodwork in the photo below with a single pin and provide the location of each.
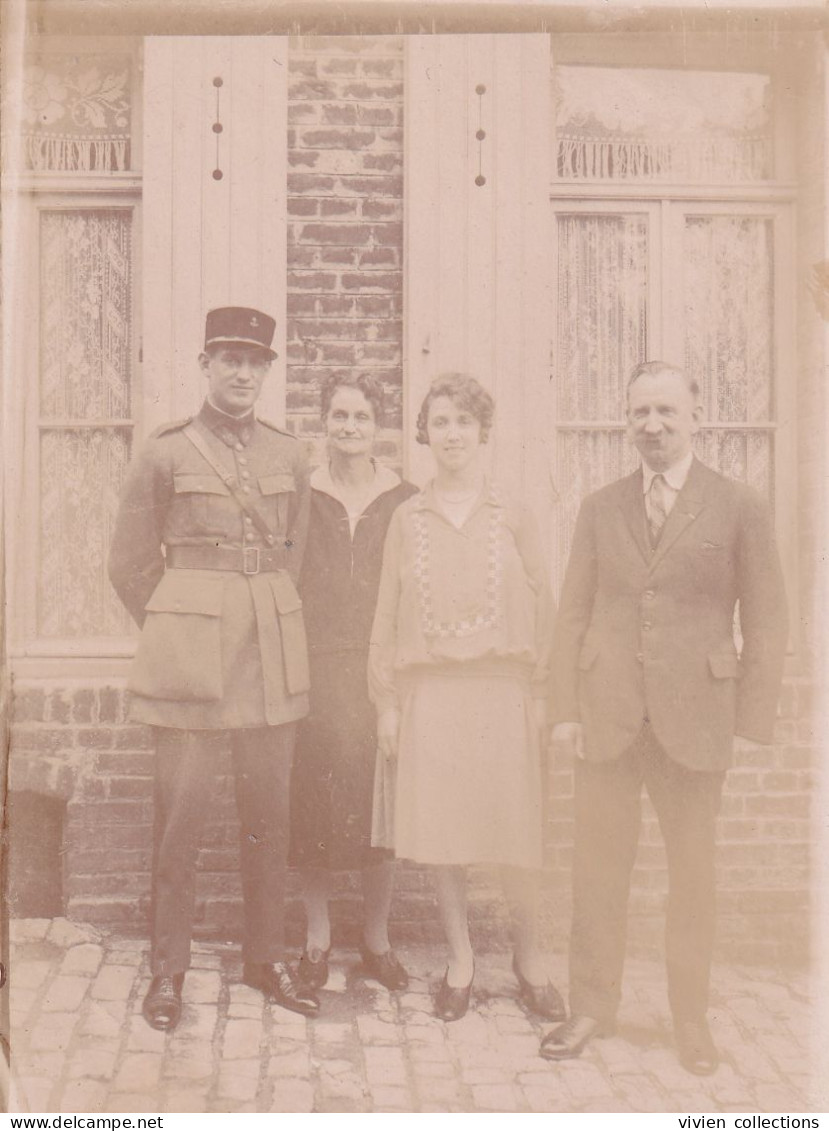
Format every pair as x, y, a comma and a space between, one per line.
477, 289
211, 242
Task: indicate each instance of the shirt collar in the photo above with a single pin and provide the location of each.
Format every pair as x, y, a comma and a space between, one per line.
384, 480
675, 476
213, 417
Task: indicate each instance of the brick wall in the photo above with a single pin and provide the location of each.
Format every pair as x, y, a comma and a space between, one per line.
345, 226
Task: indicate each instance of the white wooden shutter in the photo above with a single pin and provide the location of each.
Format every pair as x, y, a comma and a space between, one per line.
211, 242
477, 295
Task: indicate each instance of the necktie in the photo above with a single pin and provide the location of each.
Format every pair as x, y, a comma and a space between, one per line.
657, 507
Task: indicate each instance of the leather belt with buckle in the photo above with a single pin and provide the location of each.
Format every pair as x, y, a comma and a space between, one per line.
249, 560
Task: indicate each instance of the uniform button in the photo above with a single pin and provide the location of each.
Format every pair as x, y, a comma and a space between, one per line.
649, 594
246, 475
646, 626
248, 521
242, 459
249, 537
246, 489
239, 447
640, 658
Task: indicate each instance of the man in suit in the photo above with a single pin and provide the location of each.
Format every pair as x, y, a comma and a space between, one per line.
206, 550
651, 688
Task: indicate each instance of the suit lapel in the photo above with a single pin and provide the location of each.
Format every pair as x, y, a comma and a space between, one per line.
632, 507
689, 503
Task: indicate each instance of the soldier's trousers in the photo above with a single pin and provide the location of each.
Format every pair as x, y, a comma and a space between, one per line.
608, 818
185, 786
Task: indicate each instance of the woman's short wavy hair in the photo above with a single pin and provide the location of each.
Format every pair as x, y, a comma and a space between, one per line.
467, 393
369, 386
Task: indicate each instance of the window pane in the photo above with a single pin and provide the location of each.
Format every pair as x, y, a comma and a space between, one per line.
601, 312
729, 314
626, 123
81, 473
86, 311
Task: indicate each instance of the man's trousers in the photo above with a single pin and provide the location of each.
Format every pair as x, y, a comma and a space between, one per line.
608, 818
185, 786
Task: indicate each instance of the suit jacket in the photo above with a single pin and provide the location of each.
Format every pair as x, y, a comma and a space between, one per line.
219, 649
649, 633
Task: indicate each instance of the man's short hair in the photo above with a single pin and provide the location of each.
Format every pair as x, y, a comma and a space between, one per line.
652, 368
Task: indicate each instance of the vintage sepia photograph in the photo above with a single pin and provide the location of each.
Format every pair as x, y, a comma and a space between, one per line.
414, 525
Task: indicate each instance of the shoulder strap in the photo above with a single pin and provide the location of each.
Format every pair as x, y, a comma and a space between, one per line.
203, 448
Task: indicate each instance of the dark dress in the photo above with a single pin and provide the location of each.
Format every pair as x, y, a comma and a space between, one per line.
333, 775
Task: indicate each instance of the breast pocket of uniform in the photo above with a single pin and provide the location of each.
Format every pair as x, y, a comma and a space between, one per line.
278, 492
179, 655
199, 506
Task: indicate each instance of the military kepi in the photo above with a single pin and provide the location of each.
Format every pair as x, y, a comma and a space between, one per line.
240, 324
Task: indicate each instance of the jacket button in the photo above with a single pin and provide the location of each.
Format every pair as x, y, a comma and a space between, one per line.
649, 594
249, 537
640, 658
646, 627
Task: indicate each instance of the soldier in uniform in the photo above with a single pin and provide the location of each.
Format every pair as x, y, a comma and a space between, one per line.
206, 552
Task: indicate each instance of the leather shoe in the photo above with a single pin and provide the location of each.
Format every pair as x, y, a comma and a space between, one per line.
570, 1039
277, 983
545, 1000
162, 1004
313, 968
452, 1002
386, 968
695, 1048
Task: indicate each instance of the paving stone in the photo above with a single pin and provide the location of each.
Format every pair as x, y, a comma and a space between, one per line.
240, 994
186, 1100
388, 1097
238, 1084
97, 1063
332, 1032
189, 1062
33, 1093
203, 986
84, 1096
495, 1097
28, 974
434, 1035
28, 930
296, 1063
141, 1038
64, 994
774, 1097
114, 983
470, 1030
136, 1103
373, 1031
20, 1003
543, 1098
85, 958
199, 1022
53, 1031
139, 1071
292, 1096
125, 957
428, 1070
242, 1039
63, 933
337, 981
103, 1019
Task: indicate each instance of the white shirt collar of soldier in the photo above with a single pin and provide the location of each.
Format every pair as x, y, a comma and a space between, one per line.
674, 477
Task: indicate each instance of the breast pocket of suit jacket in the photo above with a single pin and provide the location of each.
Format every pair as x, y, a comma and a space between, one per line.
200, 505
278, 492
179, 655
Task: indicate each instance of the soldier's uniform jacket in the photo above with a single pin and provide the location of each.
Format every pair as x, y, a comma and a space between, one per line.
221, 648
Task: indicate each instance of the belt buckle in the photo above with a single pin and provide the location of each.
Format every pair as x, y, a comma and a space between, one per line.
250, 550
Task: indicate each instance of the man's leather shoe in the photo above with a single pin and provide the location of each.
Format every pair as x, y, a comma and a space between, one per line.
313, 968
543, 1000
570, 1039
695, 1048
277, 983
386, 968
162, 1004
452, 1002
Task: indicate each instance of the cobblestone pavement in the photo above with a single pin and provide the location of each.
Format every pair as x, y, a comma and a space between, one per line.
80, 1045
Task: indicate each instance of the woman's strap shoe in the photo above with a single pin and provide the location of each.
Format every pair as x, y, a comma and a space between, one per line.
386, 968
545, 1001
695, 1047
452, 1002
162, 1003
570, 1039
313, 967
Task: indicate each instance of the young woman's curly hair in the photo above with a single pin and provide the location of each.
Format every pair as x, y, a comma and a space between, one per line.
467, 393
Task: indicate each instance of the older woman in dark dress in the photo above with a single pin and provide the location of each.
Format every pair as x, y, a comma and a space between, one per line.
352, 501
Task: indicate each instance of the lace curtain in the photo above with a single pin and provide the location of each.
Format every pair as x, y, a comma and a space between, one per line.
625, 123
76, 112
727, 276
85, 431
